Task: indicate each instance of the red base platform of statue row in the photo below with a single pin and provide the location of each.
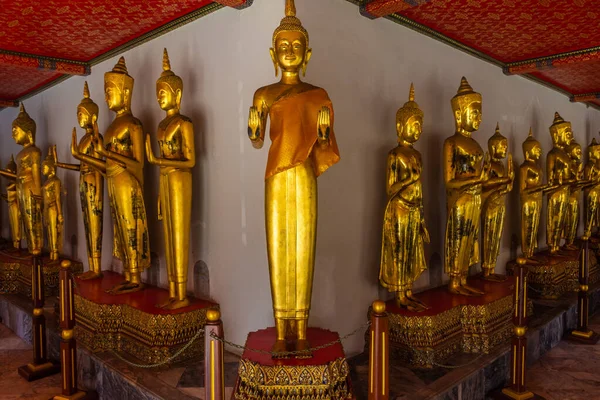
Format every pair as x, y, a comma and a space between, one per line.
323, 376
132, 322
453, 323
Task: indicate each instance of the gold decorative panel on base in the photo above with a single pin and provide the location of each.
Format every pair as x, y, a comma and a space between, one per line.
131, 323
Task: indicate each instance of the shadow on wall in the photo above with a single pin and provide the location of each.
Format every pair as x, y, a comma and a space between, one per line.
201, 280
74, 254
153, 273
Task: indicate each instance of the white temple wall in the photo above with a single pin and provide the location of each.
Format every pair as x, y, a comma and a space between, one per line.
367, 67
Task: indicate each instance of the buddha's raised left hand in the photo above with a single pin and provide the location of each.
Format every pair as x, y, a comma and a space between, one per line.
323, 124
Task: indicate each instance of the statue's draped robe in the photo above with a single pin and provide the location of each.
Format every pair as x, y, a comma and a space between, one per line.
493, 225
295, 160
14, 214
30, 197
531, 213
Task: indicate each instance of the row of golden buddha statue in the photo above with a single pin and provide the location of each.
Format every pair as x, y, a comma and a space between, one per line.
303, 147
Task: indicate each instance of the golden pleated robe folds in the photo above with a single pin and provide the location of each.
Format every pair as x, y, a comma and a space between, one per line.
493, 225
592, 213
53, 227
462, 232
402, 249
91, 195
14, 214
295, 160
131, 242
555, 220
31, 207
531, 213
572, 217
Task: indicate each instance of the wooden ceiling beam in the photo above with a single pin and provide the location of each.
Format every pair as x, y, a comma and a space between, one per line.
552, 62
239, 4
63, 66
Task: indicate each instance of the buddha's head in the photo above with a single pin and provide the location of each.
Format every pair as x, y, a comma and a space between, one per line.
49, 163
290, 50
87, 110
11, 166
497, 144
118, 87
594, 150
574, 151
466, 106
23, 128
409, 119
561, 132
168, 87
532, 149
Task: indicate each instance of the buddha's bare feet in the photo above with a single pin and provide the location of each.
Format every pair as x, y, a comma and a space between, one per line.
89, 275
419, 303
126, 287
416, 306
494, 277
570, 247
165, 303
279, 350
304, 348
460, 290
474, 291
175, 304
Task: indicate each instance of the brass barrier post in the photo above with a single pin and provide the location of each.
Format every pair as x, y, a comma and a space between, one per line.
68, 346
40, 367
583, 334
214, 374
517, 390
379, 354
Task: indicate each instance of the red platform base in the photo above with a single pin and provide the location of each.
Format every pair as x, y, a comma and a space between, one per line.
133, 323
324, 376
453, 323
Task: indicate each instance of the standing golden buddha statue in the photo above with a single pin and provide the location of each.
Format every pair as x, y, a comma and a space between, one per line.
404, 230
124, 165
592, 192
14, 214
465, 171
531, 189
28, 179
91, 185
52, 201
499, 183
175, 138
558, 167
303, 147
577, 182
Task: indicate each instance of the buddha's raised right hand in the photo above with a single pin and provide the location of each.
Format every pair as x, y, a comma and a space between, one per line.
254, 124
74, 148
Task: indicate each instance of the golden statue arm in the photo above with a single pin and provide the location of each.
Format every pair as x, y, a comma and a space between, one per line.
134, 164
454, 183
72, 167
323, 125
58, 194
93, 162
187, 134
257, 121
8, 174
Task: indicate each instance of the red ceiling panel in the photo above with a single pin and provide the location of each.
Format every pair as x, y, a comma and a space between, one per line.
81, 30
512, 30
574, 78
16, 81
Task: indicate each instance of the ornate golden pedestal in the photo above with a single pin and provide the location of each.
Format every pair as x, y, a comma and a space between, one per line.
132, 323
553, 275
324, 376
453, 323
15, 273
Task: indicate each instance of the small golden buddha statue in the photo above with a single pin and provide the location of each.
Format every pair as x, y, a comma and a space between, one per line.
91, 185
404, 230
177, 158
531, 191
592, 192
499, 183
465, 171
576, 179
14, 214
52, 201
28, 179
123, 167
558, 169
303, 147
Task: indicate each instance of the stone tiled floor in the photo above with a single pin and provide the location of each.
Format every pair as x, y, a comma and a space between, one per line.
569, 371
14, 352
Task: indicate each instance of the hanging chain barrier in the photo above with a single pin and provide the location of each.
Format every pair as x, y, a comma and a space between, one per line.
281, 354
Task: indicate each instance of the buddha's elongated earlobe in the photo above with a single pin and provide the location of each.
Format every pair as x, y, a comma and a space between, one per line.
274, 59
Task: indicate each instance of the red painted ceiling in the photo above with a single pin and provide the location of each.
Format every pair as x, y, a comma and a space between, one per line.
513, 31
34, 33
